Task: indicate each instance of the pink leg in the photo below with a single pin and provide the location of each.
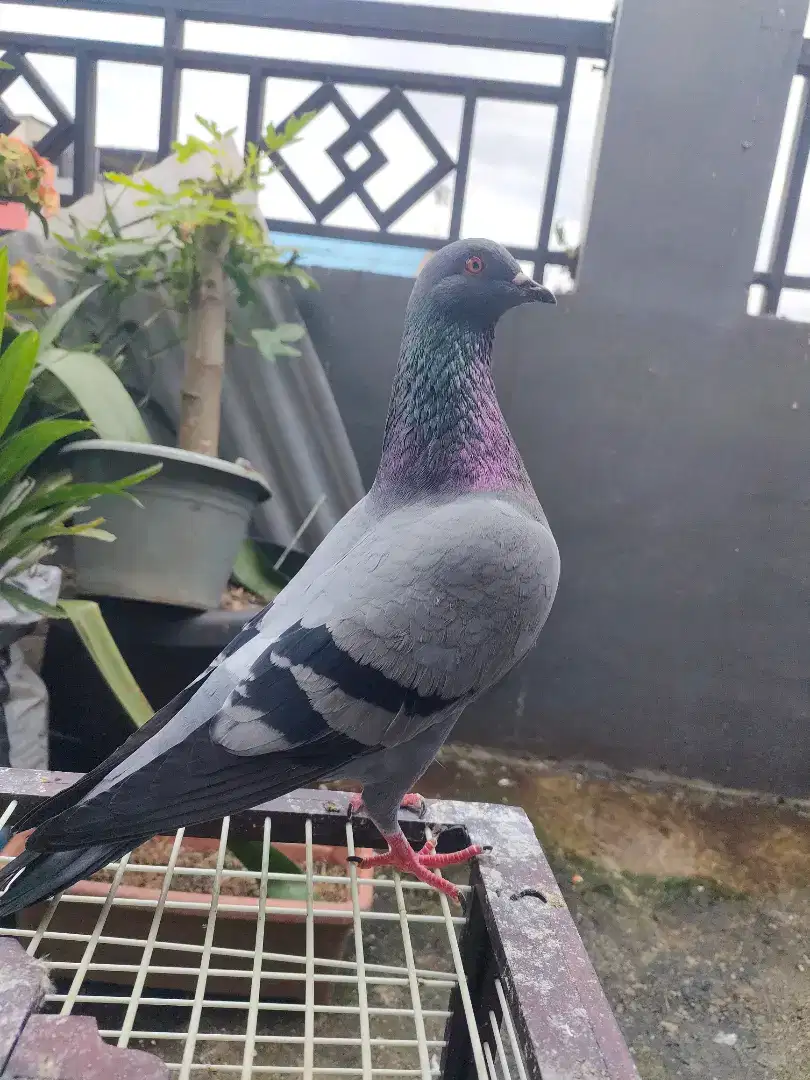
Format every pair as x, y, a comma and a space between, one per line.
411, 801
401, 856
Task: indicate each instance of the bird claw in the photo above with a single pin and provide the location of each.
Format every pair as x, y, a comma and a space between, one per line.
413, 801
422, 864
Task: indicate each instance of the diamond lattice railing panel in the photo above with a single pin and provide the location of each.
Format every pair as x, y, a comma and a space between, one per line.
359, 133
61, 134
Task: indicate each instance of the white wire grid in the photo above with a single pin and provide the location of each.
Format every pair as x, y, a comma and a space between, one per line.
390, 998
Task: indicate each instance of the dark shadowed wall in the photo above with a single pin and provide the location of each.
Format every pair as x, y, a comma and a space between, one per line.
666, 431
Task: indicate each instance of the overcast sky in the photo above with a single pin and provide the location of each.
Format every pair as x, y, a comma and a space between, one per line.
510, 145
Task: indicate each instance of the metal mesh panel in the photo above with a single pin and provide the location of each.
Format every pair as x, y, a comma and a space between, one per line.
388, 1019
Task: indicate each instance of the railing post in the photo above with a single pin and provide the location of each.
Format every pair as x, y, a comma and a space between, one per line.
696, 97
170, 85
84, 142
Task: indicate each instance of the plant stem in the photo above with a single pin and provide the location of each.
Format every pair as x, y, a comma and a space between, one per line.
205, 348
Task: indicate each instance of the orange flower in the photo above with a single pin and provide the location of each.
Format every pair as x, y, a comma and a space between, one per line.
39, 160
10, 143
48, 200
48, 195
27, 177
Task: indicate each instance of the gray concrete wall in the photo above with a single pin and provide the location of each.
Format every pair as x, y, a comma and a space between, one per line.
666, 431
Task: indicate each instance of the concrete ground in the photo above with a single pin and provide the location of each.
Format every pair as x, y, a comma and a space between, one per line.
694, 905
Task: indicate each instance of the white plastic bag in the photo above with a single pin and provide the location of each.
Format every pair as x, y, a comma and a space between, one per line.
26, 711
23, 697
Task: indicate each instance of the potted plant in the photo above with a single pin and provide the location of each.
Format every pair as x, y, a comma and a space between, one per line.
285, 920
205, 246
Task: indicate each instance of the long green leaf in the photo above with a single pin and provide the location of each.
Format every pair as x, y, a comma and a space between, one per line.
3, 286
92, 629
17, 493
127, 249
98, 392
62, 316
21, 531
249, 853
23, 601
39, 534
16, 366
254, 572
18, 452
66, 492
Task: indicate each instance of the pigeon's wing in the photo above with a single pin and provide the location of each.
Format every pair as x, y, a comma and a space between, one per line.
180, 775
422, 615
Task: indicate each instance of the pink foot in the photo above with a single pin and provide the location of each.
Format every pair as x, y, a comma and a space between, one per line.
411, 801
401, 856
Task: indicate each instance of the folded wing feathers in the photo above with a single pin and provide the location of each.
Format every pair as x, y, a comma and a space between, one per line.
393, 639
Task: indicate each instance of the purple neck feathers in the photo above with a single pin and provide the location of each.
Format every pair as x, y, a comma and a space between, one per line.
445, 432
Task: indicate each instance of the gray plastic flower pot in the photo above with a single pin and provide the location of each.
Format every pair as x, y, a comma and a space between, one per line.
180, 547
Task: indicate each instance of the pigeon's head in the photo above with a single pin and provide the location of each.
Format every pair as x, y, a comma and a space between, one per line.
475, 279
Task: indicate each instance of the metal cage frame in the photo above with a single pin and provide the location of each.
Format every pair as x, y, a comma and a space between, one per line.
519, 963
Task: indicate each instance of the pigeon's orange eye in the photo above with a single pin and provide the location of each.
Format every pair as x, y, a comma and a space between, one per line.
474, 265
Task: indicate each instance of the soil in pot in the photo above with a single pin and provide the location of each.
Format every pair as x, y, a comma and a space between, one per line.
156, 852
129, 920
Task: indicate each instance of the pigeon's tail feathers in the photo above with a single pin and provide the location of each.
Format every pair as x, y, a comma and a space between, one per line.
35, 876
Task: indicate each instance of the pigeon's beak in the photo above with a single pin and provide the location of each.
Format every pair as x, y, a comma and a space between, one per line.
533, 290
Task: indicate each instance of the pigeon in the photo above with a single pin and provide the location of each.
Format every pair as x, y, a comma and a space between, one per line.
422, 598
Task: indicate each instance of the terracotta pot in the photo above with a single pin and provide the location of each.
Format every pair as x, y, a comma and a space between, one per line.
13, 216
283, 932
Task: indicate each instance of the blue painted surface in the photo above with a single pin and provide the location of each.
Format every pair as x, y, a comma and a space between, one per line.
353, 254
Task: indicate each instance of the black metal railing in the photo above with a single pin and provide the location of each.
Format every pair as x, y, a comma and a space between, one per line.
568, 39
775, 277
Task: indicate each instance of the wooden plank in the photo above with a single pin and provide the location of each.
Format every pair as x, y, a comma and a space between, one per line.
34, 1047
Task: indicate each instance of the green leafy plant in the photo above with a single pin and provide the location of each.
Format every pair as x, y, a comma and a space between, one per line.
207, 245
65, 378
92, 630
35, 511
